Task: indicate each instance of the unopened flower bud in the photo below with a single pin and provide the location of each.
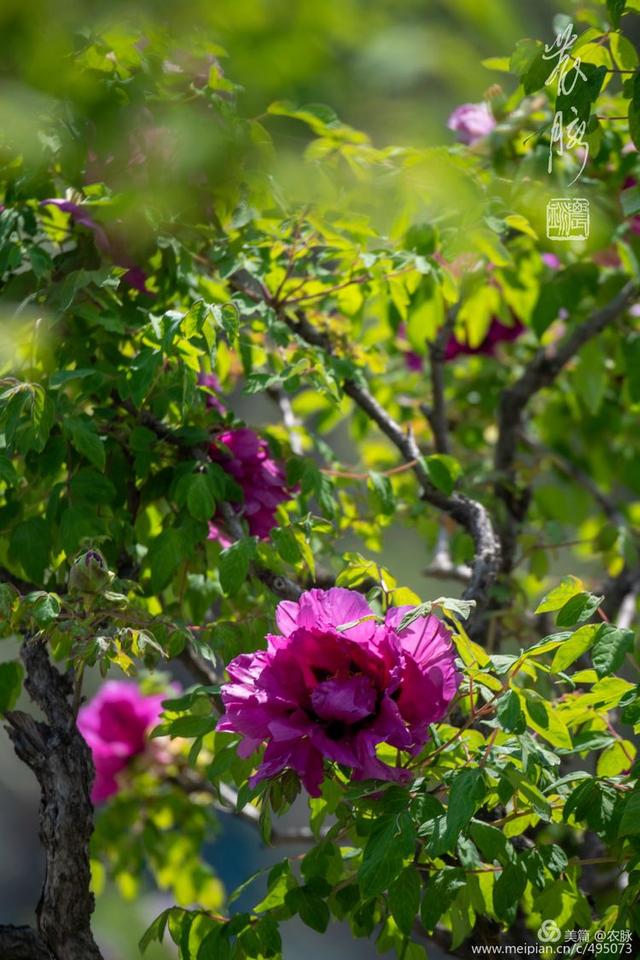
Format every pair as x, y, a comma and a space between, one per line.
89, 573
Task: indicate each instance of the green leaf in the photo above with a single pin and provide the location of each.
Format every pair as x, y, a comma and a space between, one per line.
281, 880
630, 199
85, 439
234, 565
404, 898
164, 557
491, 842
155, 931
616, 9
381, 493
509, 888
545, 720
634, 112
200, 500
188, 727
42, 414
43, 607
529, 791
630, 822
610, 648
312, 909
8, 596
439, 894
11, 676
8, 472
592, 802
442, 471
459, 608
575, 646
590, 378
215, 946
467, 790
556, 598
578, 609
284, 540
631, 351
29, 545
390, 841
536, 76
510, 715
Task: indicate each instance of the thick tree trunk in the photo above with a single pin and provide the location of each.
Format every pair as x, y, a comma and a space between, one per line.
61, 761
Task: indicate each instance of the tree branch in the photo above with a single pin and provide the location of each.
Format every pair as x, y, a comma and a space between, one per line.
22, 943
437, 413
226, 801
61, 761
540, 373
469, 514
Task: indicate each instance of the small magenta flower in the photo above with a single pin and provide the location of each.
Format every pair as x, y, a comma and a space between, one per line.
212, 388
115, 725
471, 122
246, 458
326, 688
498, 332
551, 260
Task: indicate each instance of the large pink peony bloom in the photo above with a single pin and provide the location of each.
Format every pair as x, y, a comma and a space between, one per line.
324, 689
245, 456
471, 122
115, 724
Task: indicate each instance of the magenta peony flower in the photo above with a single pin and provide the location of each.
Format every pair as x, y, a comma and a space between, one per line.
245, 456
324, 689
472, 122
115, 725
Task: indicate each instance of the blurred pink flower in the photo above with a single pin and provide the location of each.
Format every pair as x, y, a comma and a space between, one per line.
211, 382
472, 122
135, 276
245, 457
634, 221
552, 261
115, 725
498, 332
328, 688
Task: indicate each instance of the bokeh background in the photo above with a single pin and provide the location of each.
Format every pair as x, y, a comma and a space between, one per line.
394, 70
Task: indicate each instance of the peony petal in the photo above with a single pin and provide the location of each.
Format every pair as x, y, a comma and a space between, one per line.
347, 700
